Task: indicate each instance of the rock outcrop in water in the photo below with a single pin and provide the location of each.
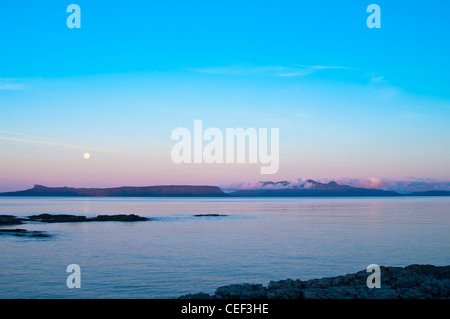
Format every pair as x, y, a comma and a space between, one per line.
414, 281
24, 233
7, 220
48, 218
10, 220
210, 215
64, 218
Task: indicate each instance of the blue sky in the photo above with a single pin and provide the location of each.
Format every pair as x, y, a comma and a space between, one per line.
349, 101
149, 36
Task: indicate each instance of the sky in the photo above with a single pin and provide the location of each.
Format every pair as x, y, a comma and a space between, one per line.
350, 102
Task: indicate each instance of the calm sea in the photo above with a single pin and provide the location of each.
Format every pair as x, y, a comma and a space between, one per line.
176, 253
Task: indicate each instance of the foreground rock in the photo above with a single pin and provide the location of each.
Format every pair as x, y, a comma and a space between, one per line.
411, 282
24, 233
48, 218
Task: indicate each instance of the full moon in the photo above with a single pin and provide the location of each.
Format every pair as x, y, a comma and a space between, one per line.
86, 155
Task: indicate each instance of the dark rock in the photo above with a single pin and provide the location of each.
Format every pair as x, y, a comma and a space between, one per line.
118, 218
285, 289
285, 293
411, 282
24, 233
209, 215
314, 293
243, 291
10, 220
387, 293
48, 218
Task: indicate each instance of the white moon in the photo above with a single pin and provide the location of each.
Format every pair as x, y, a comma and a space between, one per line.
86, 155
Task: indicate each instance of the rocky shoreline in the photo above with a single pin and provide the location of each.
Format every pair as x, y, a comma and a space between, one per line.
410, 282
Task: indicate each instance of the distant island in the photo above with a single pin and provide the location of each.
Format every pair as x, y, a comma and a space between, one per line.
125, 191
331, 189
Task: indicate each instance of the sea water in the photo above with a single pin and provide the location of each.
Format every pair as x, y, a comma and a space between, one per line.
175, 252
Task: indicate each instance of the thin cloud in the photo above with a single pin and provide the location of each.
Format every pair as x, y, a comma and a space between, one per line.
12, 87
377, 79
271, 71
293, 74
25, 135
27, 138
324, 67
10, 84
16, 139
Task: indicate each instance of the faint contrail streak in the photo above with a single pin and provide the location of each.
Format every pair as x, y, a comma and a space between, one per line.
45, 141
38, 142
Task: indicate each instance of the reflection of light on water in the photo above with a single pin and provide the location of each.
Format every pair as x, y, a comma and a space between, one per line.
86, 207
